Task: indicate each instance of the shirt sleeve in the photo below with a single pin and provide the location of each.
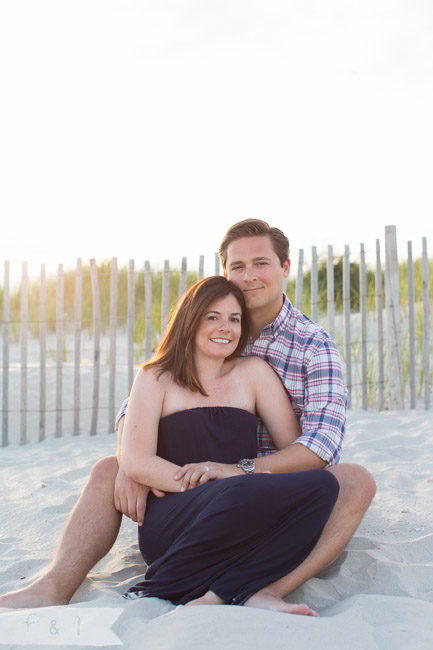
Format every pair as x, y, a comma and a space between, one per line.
120, 414
323, 420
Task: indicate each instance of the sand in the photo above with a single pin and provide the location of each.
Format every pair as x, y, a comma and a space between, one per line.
378, 595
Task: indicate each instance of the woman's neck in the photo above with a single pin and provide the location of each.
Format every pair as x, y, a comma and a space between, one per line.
209, 370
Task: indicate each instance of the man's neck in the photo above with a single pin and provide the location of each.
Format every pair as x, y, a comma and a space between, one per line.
260, 319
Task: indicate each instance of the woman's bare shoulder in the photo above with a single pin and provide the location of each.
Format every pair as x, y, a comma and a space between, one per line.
253, 364
153, 375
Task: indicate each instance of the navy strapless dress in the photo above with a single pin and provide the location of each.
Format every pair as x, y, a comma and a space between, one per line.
233, 536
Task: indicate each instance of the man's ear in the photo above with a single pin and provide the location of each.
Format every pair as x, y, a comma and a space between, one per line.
225, 274
286, 268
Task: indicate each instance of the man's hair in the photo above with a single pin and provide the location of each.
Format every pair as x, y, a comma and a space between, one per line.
255, 228
175, 353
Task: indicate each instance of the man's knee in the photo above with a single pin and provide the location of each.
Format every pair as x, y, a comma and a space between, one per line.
104, 471
357, 485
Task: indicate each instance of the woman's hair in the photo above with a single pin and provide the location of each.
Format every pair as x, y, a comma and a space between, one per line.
175, 353
255, 228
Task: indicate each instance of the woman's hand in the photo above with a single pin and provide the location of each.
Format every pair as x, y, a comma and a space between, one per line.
194, 474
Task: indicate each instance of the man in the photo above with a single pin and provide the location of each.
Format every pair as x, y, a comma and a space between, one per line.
255, 257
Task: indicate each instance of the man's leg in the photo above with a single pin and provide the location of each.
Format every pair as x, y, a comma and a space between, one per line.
89, 533
357, 489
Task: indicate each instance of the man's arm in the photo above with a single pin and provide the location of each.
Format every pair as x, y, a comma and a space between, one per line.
323, 420
296, 458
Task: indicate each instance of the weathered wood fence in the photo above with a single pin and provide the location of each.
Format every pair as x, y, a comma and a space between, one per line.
385, 367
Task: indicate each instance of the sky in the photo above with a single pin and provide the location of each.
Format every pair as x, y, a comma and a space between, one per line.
143, 129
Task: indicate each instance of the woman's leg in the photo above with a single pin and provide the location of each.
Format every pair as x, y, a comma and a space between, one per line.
300, 504
249, 532
357, 489
263, 602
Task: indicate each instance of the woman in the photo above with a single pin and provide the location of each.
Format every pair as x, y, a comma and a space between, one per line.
226, 528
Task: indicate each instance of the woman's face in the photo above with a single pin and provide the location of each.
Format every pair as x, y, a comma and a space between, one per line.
220, 328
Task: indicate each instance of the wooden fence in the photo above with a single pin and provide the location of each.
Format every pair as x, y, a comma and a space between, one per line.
386, 358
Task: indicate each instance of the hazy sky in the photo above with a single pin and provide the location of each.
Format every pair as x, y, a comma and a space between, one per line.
142, 129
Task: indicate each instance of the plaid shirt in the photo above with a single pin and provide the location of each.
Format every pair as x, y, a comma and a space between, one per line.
309, 365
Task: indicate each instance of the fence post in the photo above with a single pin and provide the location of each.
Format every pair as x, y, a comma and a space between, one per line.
330, 292
363, 314
182, 282
426, 328
165, 299
392, 297
148, 309
200, 274
42, 354
113, 348
77, 343
23, 341
346, 316
314, 283
130, 323
6, 330
379, 319
299, 280
96, 344
411, 315
59, 349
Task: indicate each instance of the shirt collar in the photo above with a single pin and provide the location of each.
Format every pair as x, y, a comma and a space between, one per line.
273, 329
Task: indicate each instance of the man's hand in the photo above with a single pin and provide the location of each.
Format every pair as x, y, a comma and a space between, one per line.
130, 497
194, 474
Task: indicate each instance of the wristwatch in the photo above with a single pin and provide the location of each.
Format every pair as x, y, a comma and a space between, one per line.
247, 465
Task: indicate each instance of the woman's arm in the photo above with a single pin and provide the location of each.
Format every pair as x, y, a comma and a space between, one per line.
138, 457
274, 407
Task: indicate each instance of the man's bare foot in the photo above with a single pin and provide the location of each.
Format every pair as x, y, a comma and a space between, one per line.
208, 599
265, 599
39, 594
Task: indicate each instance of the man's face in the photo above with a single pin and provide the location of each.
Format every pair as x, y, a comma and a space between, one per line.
254, 266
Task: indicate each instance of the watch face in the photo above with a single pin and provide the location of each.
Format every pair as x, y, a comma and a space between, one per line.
247, 465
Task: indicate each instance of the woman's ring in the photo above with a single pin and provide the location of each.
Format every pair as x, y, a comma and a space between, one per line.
206, 468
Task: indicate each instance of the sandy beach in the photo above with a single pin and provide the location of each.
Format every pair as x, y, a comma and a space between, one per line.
378, 595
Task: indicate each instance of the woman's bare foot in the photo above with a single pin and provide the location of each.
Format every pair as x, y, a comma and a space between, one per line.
208, 599
40, 593
265, 599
